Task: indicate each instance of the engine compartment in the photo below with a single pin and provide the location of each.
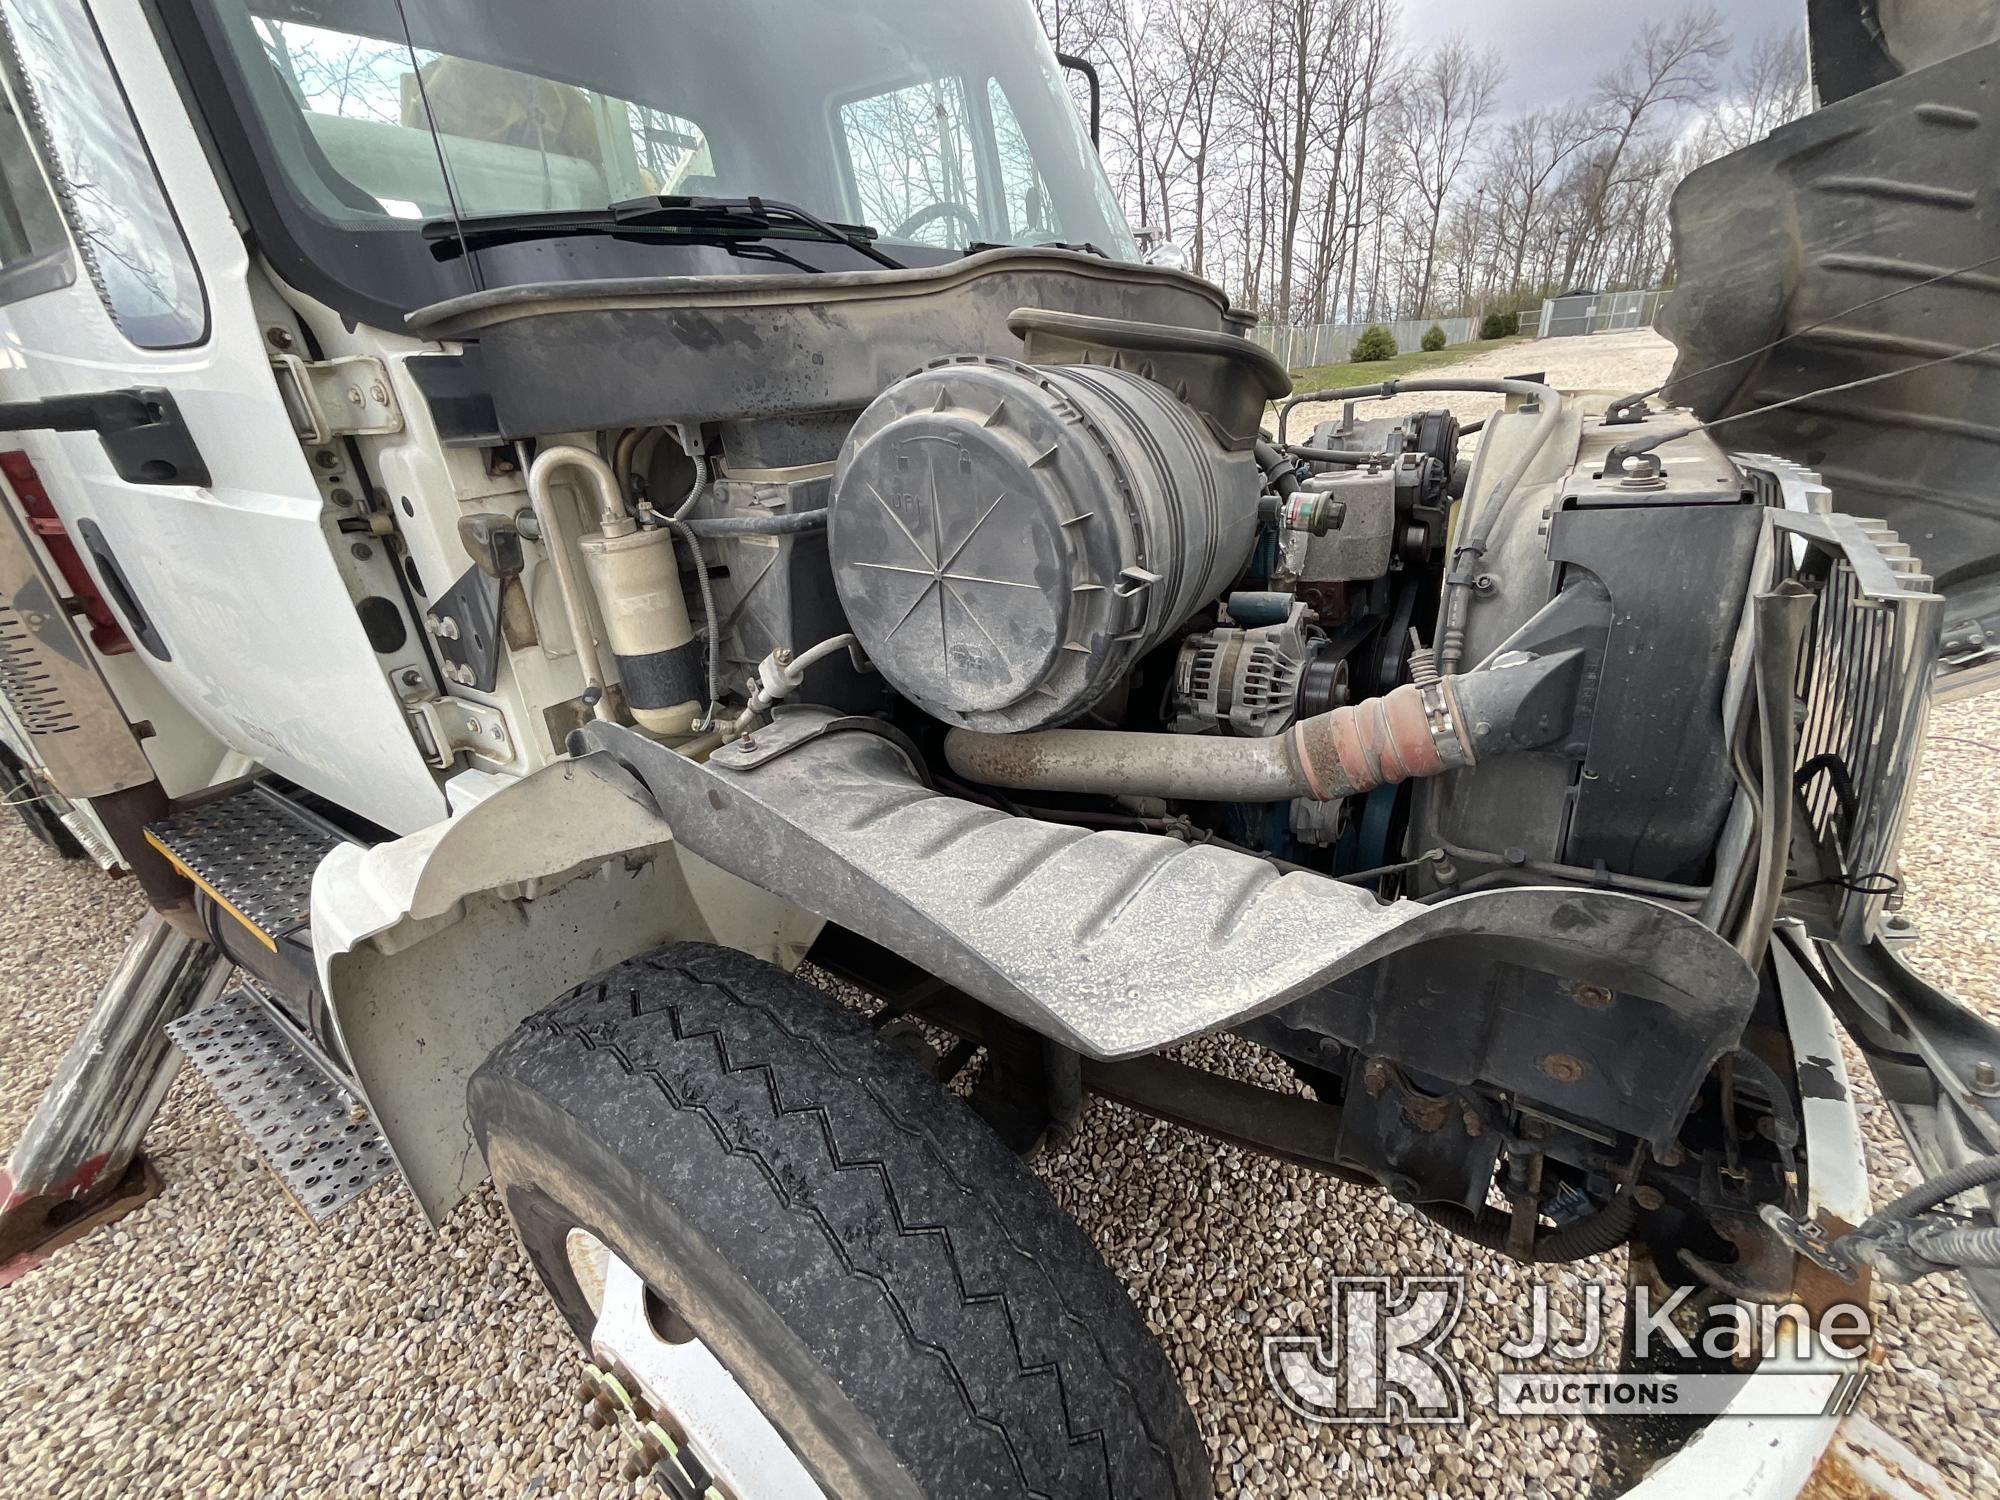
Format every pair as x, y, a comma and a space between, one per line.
1063, 668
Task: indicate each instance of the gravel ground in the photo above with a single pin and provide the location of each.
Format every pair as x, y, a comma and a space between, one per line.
213, 1344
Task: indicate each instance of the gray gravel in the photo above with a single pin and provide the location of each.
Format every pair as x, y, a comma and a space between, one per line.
214, 1344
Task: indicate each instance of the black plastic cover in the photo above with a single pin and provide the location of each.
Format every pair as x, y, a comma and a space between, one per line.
1867, 236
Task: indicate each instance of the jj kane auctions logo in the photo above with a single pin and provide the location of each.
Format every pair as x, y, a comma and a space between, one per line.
1386, 1357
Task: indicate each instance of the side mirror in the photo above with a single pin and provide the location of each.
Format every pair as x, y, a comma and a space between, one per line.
1157, 250
1077, 64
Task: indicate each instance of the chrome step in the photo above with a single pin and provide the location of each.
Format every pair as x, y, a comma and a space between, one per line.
254, 850
310, 1129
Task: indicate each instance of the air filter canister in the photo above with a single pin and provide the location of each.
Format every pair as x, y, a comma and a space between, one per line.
1007, 539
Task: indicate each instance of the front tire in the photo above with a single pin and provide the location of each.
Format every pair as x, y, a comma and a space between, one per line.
893, 1290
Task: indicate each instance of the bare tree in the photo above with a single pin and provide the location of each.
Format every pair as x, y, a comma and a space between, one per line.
1534, 152
1670, 66
1320, 172
1771, 87
1447, 101
1204, 38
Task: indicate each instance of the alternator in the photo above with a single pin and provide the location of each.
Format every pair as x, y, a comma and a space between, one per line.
1248, 679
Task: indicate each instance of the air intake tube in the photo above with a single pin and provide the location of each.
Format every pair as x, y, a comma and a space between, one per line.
1412, 731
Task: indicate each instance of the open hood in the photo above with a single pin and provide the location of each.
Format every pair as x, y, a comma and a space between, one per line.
1857, 44
1890, 187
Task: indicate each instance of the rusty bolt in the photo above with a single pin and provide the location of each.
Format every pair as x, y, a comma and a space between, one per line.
1562, 1067
1594, 996
1648, 1198
1673, 1156
1474, 1125
632, 1468
1376, 1078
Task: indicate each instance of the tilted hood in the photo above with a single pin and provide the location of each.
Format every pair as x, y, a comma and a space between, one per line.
1895, 189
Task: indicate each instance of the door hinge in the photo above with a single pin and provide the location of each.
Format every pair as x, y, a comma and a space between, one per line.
446, 727
349, 396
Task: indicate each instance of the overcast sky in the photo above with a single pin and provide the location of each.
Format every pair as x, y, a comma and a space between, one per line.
1554, 48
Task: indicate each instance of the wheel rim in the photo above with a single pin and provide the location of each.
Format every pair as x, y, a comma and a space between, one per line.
685, 1413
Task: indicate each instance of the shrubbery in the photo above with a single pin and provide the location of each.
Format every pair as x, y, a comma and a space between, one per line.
1500, 325
1376, 342
1434, 339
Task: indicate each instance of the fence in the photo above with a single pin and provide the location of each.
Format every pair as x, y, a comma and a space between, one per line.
1299, 346
1602, 312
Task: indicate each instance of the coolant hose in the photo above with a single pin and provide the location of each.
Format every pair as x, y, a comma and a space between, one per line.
1280, 470
1409, 732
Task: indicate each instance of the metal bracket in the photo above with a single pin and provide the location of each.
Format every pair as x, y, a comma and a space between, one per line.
345, 397
140, 429
1628, 411
465, 622
447, 727
789, 729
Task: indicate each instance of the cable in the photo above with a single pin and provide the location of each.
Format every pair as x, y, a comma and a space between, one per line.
1738, 359
699, 489
1616, 457
686, 534
1939, 1189
1599, 1234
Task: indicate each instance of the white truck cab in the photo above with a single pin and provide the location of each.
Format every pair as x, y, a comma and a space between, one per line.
521, 524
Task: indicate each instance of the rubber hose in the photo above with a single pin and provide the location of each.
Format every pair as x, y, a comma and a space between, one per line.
788, 524
1939, 1189
1602, 1232
1353, 457
687, 534
1479, 533
696, 491
1283, 474
1960, 1245
1753, 1069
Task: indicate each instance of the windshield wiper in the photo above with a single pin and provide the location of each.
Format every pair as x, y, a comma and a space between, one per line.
699, 218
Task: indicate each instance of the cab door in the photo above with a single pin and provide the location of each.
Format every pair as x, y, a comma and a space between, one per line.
229, 585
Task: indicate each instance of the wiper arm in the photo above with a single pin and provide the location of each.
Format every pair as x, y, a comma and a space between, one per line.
751, 211
715, 218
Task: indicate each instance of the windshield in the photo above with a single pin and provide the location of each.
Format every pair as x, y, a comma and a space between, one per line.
937, 125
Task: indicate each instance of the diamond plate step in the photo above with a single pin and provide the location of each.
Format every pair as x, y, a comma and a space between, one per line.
254, 851
311, 1131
